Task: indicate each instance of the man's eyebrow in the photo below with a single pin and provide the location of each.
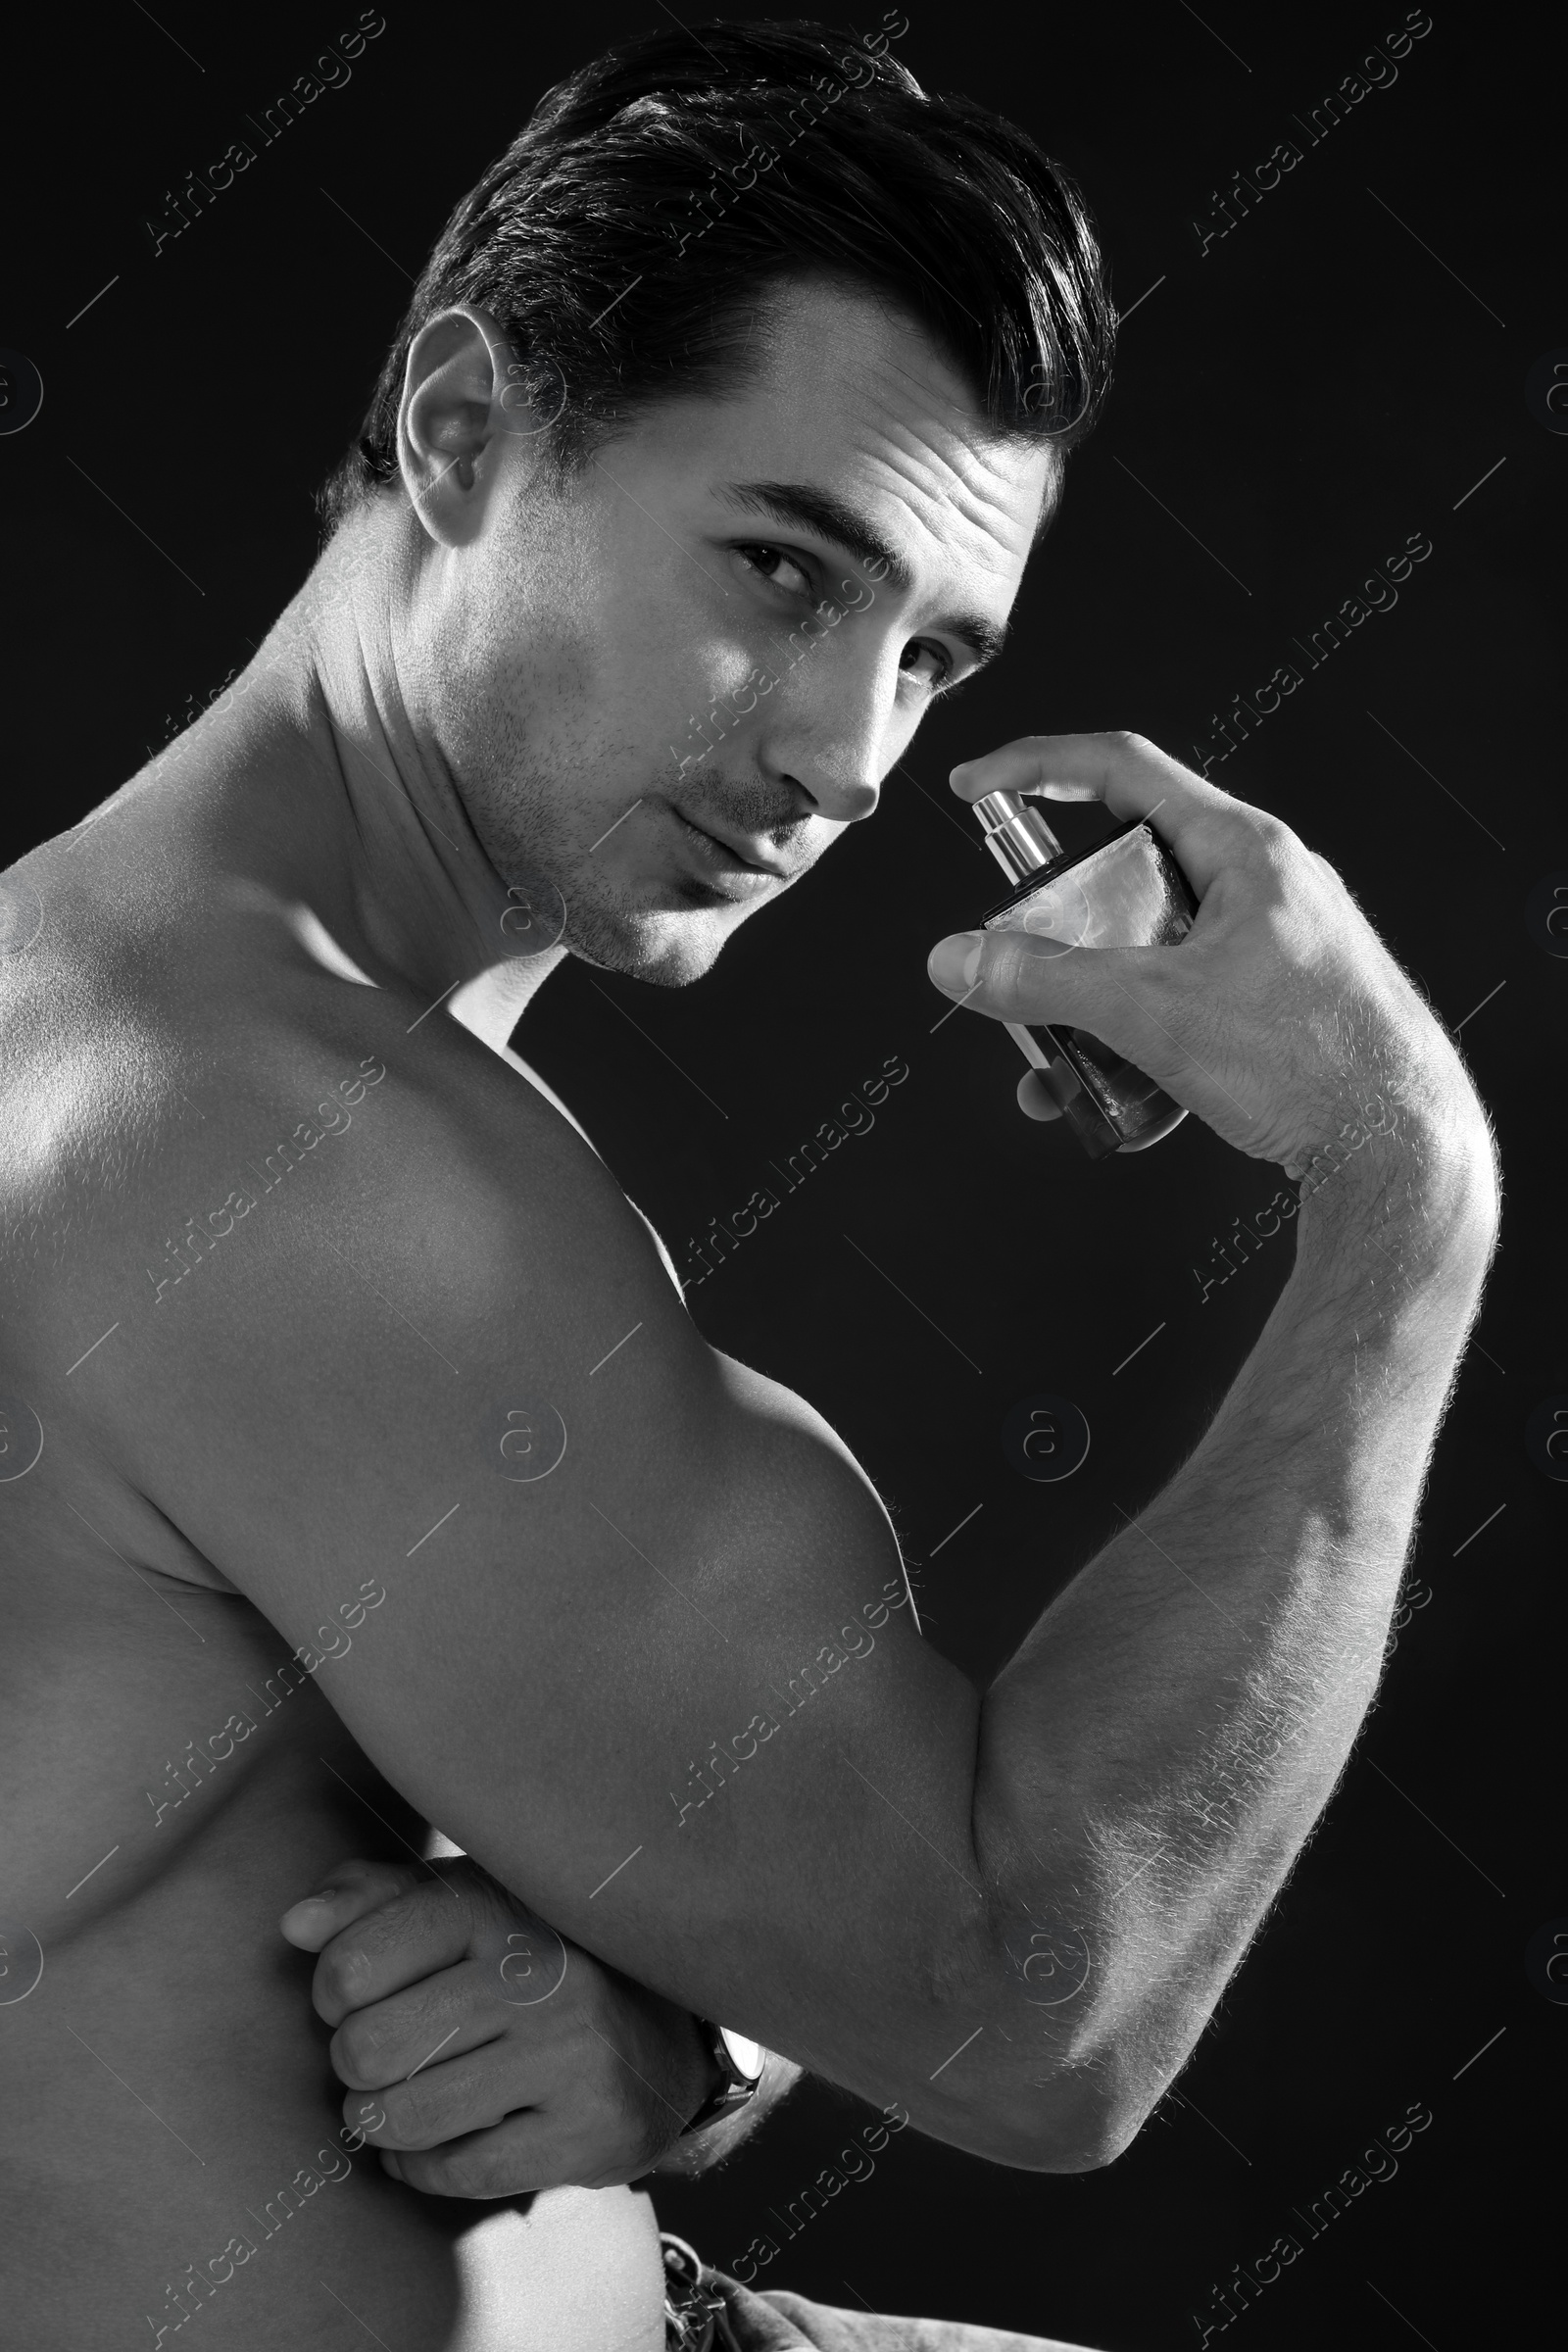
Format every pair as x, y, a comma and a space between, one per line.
799, 506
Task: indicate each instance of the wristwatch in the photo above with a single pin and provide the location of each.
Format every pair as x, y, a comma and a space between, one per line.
740, 2065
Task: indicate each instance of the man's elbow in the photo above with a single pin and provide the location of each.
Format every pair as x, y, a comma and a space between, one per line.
1081, 2151
1056, 2129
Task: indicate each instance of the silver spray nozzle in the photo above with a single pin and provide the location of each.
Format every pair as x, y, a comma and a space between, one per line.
1016, 834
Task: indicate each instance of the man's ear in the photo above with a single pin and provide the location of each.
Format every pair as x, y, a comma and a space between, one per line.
465, 421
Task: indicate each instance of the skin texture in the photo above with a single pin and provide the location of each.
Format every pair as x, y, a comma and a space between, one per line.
193, 997
529, 669
641, 614
297, 924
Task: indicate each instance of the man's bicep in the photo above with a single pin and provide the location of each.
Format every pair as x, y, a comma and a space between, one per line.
683, 1709
644, 1650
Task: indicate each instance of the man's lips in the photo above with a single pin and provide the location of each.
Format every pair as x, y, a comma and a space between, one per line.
729, 856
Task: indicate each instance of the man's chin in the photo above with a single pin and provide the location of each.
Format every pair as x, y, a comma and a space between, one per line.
667, 947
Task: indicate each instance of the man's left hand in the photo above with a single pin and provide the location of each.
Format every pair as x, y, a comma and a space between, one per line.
502, 2058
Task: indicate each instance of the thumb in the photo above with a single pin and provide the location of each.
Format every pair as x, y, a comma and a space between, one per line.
1026, 976
350, 1890
1121, 995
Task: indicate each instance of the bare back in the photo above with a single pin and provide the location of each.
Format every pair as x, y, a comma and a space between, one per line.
173, 2137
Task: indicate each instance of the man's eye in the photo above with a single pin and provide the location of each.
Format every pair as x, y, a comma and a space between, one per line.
938, 676
773, 563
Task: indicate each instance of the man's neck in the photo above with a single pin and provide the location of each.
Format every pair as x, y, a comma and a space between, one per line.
314, 775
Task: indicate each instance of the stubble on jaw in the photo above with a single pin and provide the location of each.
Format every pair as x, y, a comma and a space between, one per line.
614, 926
551, 795
539, 817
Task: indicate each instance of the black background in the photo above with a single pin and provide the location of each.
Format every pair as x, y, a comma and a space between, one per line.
1291, 406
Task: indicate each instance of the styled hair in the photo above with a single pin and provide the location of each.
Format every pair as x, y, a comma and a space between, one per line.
623, 241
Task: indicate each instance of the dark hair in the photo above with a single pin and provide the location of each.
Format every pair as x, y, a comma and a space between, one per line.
622, 238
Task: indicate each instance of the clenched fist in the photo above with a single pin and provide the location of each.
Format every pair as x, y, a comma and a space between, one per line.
502, 2058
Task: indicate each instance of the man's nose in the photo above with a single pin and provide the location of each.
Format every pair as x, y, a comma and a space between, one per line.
828, 739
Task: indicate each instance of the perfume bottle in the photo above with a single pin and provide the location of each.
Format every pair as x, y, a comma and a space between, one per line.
1127, 892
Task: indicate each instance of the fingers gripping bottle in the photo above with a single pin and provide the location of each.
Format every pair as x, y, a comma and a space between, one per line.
1128, 892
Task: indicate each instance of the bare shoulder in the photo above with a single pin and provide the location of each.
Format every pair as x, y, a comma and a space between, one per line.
209, 1130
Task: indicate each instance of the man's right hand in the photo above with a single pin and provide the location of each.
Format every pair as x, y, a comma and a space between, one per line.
502, 2059
1281, 1018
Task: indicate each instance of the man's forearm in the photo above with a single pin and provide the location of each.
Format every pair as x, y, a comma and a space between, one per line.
1155, 1754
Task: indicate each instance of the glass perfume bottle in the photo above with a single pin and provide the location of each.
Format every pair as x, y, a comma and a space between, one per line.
1127, 892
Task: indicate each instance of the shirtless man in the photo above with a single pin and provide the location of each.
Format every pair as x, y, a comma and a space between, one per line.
327, 1332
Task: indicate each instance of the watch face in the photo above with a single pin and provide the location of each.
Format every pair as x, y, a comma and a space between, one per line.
747, 2057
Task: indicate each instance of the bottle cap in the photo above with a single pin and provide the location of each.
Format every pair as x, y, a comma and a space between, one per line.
1016, 834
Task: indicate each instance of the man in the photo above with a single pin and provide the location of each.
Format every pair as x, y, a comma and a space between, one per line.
693, 476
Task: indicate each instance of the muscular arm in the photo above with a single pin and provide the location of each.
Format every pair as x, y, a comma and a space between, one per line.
1171, 1727
672, 1692
1179, 1715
